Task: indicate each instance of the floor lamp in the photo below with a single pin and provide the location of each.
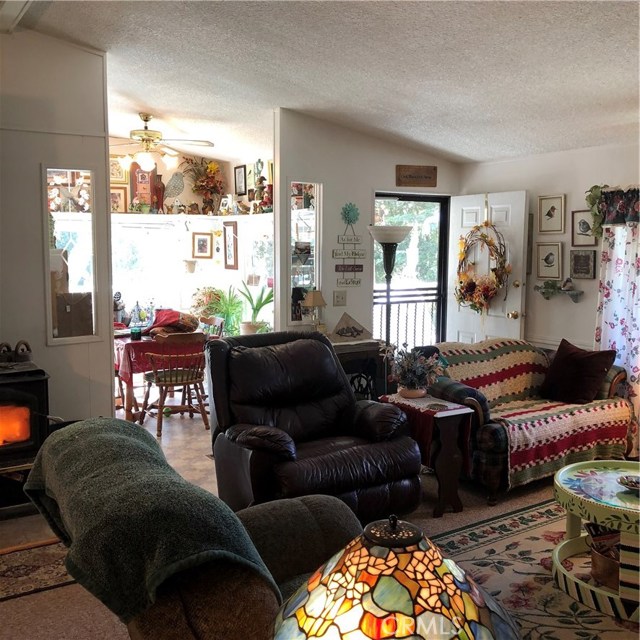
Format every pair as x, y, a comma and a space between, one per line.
389, 238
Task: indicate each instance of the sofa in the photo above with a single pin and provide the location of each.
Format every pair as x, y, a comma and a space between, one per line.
171, 560
534, 411
288, 424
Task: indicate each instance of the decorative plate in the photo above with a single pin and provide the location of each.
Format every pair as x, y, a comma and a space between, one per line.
632, 483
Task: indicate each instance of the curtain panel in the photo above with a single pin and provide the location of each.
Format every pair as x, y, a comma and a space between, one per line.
618, 310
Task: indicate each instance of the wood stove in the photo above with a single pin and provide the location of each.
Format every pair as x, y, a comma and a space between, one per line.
24, 409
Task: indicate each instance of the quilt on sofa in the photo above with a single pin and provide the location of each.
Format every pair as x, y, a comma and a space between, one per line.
533, 436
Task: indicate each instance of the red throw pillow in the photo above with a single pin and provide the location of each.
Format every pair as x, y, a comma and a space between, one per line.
576, 375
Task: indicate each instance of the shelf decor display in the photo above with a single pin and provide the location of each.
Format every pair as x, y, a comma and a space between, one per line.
473, 290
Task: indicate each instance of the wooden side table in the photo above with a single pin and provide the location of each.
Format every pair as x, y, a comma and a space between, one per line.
450, 423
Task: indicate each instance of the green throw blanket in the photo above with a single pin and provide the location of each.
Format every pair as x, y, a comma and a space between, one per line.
130, 521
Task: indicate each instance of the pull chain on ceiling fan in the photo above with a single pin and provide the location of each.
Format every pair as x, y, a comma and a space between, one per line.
152, 140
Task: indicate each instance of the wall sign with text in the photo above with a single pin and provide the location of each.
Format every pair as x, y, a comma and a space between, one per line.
415, 175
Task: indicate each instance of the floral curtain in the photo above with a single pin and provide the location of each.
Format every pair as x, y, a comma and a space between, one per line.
618, 311
619, 206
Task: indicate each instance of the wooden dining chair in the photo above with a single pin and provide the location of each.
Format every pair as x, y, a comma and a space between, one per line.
213, 325
183, 369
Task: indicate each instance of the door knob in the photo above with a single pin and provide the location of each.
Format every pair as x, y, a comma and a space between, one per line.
516, 284
513, 315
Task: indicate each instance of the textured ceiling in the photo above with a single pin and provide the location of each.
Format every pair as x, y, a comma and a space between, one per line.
471, 81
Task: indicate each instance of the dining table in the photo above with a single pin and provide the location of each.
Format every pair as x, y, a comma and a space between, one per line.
130, 357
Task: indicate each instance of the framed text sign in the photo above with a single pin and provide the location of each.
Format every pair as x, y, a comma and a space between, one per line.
415, 175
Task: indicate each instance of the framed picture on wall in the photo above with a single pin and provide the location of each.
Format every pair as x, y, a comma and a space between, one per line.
240, 174
582, 264
117, 173
581, 232
230, 245
118, 199
549, 260
202, 245
551, 214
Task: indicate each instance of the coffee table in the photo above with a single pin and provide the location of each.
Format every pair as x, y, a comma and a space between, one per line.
590, 491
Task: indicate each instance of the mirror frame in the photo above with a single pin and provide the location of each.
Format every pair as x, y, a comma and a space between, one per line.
51, 339
317, 265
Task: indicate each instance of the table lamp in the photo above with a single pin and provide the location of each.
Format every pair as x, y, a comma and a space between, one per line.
314, 300
389, 237
392, 582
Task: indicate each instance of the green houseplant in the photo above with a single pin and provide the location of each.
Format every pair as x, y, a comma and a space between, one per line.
257, 303
209, 301
592, 198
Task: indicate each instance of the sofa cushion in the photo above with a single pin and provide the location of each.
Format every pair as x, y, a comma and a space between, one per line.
503, 370
576, 375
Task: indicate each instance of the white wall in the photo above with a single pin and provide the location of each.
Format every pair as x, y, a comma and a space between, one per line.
570, 173
52, 113
351, 167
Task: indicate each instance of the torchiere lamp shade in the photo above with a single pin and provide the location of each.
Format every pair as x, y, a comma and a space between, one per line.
392, 582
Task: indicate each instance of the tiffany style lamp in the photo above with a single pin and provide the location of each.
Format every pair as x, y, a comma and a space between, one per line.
392, 582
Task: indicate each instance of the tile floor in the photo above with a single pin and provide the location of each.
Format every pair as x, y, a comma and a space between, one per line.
187, 446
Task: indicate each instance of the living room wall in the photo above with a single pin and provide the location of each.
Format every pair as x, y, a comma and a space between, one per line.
351, 167
570, 173
57, 120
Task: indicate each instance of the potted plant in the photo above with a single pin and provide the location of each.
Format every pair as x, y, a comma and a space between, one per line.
592, 198
413, 371
209, 301
263, 298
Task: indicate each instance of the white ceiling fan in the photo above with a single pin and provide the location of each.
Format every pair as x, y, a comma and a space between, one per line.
151, 140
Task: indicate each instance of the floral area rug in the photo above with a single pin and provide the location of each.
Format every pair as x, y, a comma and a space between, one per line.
38, 568
510, 556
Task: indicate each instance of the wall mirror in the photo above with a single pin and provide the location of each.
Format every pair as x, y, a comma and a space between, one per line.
304, 246
69, 254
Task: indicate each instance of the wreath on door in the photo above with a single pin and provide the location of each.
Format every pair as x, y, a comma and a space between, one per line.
473, 290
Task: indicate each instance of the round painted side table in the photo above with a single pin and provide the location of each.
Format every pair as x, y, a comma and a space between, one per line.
590, 491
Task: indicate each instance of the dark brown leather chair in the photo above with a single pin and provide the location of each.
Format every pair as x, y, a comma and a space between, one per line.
289, 425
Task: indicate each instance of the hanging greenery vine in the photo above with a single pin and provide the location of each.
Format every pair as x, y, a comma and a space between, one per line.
477, 291
592, 198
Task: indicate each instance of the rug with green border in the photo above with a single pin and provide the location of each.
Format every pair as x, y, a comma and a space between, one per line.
510, 556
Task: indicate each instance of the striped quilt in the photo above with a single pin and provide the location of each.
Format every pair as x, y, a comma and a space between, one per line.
531, 436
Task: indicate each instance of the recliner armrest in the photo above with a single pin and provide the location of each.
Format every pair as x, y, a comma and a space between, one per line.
259, 437
454, 391
379, 421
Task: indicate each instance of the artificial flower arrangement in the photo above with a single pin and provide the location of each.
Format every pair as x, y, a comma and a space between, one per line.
206, 176
477, 291
411, 369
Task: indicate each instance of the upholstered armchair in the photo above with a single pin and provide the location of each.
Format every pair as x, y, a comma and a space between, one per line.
289, 425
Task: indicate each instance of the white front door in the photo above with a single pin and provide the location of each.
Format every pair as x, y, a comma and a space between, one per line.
508, 212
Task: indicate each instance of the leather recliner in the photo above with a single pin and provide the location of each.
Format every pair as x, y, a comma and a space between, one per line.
289, 425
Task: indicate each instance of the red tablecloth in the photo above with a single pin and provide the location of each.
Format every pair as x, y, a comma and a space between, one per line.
130, 355
420, 415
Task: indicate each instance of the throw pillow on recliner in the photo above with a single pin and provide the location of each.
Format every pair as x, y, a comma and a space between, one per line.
576, 375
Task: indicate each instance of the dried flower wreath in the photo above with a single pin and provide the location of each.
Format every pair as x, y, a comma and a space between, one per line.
477, 291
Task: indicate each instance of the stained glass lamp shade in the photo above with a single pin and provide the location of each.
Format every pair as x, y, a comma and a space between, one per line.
392, 582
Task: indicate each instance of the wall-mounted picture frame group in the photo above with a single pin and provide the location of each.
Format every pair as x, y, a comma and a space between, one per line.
240, 175
549, 260
230, 245
202, 245
551, 214
581, 231
582, 264
117, 173
118, 199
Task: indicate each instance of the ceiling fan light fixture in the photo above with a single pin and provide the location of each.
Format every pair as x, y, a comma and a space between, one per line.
171, 162
145, 160
125, 161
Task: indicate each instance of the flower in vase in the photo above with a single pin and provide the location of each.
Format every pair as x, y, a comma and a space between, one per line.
411, 369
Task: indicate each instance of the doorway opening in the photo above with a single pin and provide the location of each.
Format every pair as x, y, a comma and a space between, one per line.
418, 285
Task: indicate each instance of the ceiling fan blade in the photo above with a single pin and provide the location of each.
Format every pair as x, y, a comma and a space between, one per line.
192, 143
